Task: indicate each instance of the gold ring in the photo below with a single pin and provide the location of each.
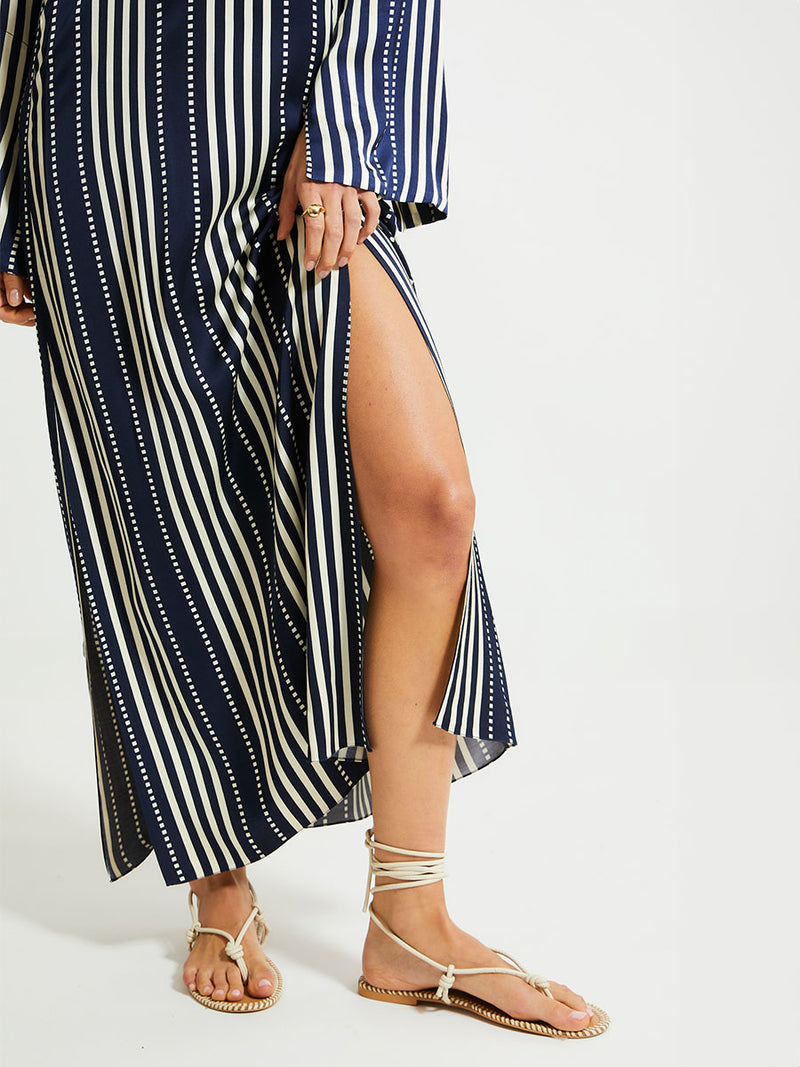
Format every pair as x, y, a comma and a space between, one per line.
314, 210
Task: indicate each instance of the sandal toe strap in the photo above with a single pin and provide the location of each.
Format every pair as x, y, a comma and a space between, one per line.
539, 983
191, 935
446, 983
233, 947
447, 979
235, 951
536, 980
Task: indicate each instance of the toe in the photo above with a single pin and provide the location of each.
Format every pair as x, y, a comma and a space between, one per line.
204, 982
219, 980
234, 979
563, 1016
568, 997
190, 977
260, 981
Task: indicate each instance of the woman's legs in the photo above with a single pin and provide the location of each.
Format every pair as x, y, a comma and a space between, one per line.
416, 502
417, 506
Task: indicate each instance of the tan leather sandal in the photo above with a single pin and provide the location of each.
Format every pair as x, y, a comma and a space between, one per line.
234, 950
423, 872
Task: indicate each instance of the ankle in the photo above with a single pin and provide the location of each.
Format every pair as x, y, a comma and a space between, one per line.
223, 882
421, 907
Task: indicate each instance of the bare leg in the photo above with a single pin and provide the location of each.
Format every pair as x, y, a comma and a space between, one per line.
416, 502
223, 900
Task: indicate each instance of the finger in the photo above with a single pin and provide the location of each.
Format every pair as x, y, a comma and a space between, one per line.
315, 227
372, 213
334, 231
14, 309
287, 205
351, 213
13, 288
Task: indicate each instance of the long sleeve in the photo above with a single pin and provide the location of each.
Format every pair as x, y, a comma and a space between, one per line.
17, 23
377, 112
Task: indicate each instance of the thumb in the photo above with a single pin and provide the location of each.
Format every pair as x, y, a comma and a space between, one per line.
14, 285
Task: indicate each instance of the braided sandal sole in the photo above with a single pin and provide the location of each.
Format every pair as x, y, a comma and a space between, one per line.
466, 1002
247, 1003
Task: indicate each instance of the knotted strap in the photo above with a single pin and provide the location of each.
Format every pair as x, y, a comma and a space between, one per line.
233, 948
423, 872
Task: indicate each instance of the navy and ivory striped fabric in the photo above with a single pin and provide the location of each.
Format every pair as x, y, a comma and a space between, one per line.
377, 115
16, 21
195, 379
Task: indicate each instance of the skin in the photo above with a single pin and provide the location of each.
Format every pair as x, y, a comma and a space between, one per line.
416, 501
15, 300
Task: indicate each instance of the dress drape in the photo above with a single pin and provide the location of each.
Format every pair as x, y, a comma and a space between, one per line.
195, 382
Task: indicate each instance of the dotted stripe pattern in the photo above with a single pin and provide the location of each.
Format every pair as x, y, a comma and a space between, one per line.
195, 383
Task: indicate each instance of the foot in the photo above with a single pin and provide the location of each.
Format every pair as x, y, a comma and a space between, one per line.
224, 901
390, 966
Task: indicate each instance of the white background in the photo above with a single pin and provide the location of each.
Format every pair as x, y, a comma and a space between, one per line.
615, 299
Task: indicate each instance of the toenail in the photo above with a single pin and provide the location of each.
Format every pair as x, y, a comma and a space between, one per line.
264, 984
192, 987
206, 990
578, 1015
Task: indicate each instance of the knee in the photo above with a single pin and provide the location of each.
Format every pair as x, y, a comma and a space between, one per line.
430, 523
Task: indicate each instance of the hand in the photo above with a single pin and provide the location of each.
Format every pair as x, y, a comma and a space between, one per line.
333, 235
13, 308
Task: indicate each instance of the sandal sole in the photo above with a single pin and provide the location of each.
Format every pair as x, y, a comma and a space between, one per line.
466, 1002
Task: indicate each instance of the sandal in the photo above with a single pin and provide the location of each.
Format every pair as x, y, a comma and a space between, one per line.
423, 872
235, 952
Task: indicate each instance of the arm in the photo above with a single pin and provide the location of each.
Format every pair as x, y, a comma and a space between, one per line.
377, 114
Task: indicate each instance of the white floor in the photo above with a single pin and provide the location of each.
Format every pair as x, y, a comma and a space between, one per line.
630, 880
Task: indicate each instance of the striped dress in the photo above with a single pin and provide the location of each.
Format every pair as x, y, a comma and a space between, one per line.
195, 381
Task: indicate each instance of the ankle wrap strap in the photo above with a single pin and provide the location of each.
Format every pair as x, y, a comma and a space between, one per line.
422, 872
409, 873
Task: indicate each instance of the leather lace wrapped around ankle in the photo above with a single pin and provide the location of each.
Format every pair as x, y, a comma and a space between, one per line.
409, 872
425, 871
